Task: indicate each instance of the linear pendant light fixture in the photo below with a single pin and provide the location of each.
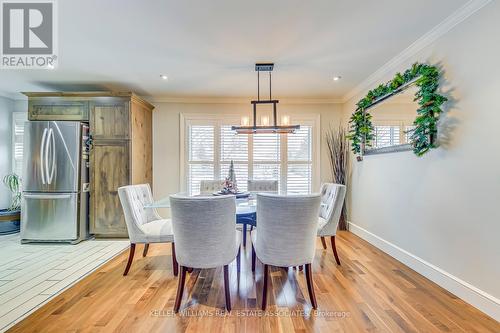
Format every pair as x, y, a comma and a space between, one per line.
265, 127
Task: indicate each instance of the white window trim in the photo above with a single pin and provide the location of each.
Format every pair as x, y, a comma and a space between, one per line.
186, 119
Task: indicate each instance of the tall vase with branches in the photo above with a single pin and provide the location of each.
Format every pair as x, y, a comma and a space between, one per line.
338, 149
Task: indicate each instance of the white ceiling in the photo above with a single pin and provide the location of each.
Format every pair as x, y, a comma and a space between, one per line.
208, 48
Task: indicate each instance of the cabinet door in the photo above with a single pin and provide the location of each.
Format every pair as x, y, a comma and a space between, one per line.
109, 119
109, 170
57, 108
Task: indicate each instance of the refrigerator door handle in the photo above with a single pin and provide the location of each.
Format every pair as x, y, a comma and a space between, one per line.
42, 146
47, 196
46, 157
52, 143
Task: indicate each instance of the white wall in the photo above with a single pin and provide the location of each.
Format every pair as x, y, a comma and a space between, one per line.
440, 212
166, 145
6, 108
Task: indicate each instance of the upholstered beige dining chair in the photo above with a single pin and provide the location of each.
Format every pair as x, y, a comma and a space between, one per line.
144, 225
210, 186
205, 236
263, 186
332, 201
286, 235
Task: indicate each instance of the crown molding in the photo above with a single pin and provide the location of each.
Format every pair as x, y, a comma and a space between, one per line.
237, 100
13, 96
428, 38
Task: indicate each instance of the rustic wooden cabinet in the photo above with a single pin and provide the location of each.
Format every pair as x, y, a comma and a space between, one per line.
58, 108
121, 151
109, 170
109, 119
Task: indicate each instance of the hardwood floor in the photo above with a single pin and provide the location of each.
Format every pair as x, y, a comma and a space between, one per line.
369, 292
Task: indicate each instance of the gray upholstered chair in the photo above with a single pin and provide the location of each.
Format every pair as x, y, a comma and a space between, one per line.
332, 201
210, 186
260, 186
263, 186
286, 234
205, 236
144, 225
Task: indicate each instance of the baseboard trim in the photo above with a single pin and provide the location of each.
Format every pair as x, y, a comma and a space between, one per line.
469, 293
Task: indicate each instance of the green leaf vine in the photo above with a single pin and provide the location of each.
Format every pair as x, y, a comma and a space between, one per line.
423, 136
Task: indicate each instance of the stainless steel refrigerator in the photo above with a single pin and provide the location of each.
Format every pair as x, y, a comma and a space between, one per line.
55, 199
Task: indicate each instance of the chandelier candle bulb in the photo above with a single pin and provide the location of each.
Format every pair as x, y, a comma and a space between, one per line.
285, 120
245, 121
264, 121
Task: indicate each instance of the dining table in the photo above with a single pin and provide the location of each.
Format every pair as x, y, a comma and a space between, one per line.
246, 211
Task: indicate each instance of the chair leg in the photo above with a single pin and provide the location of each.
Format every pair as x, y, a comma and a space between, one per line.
310, 286
146, 248
238, 260
226, 288
323, 242
335, 250
180, 289
253, 258
264, 287
244, 230
130, 258
175, 265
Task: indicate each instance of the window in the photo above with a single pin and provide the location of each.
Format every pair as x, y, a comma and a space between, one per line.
386, 136
408, 132
299, 168
201, 155
390, 133
211, 145
266, 157
18, 120
235, 148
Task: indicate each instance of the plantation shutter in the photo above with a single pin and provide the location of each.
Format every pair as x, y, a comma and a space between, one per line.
266, 157
408, 132
299, 166
201, 151
386, 136
234, 147
18, 120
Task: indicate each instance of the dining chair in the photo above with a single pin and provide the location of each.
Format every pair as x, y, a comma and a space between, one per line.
144, 225
258, 186
286, 235
210, 186
205, 236
332, 201
262, 186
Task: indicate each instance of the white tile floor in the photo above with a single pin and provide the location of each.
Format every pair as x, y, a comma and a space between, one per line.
33, 274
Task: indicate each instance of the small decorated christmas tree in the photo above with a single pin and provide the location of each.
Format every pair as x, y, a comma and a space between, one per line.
229, 185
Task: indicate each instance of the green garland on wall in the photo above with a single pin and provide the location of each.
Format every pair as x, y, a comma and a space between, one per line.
423, 136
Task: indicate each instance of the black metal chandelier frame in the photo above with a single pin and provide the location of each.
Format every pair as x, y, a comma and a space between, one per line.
274, 128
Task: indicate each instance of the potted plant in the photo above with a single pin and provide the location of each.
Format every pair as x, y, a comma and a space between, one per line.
10, 217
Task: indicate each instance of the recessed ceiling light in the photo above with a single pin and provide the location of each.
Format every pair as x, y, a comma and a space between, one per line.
336, 78
164, 77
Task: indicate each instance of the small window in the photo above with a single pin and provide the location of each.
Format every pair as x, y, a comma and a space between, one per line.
18, 120
386, 136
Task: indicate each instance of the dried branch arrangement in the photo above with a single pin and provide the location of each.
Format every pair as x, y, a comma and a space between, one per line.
338, 149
